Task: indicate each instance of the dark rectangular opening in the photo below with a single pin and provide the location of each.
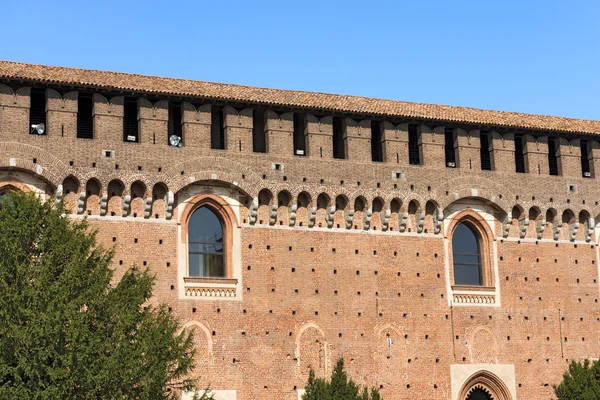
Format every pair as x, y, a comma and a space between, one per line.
130, 120
449, 147
37, 110
376, 145
552, 159
519, 156
175, 127
414, 157
484, 151
299, 134
85, 121
217, 128
339, 148
585, 161
259, 140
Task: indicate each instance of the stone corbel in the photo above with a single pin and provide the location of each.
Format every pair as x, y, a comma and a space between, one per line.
385, 219
540, 226
147, 207
367, 215
523, 225
348, 215
273, 214
253, 211
573, 229
292, 214
330, 216
506, 224
169, 207
58, 194
125, 205
419, 221
103, 204
590, 229
312, 216
438, 217
557, 228
80, 202
402, 220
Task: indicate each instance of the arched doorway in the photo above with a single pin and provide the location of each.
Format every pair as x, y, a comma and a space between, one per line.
479, 393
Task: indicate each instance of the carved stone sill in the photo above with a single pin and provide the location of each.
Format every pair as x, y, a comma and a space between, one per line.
203, 280
474, 295
210, 291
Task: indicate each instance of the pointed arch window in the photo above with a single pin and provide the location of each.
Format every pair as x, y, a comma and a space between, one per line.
206, 244
466, 254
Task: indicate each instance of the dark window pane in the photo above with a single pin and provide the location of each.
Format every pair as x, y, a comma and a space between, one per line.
85, 121
519, 156
552, 159
449, 147
299, 134
376, 145
413, 145
466, 257
486, 161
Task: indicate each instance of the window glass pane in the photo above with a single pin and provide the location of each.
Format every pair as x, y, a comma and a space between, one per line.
467, 262
205, 226
466, 259
196, 265
214, 265
466, 275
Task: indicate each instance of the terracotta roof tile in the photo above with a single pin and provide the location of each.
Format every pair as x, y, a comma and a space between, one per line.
291, 98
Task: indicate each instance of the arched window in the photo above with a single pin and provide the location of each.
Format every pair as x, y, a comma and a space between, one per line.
466, 255
205, 241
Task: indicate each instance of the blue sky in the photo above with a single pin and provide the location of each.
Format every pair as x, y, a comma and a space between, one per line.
528, 55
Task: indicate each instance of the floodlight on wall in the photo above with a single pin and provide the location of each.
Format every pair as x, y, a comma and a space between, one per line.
38, 128
175, 141
587, 174
451, 164
131, 138
299, 152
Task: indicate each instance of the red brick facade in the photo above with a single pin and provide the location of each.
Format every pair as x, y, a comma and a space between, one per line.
335, 257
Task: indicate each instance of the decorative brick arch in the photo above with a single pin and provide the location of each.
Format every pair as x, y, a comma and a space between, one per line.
203, 346
486, 381
47, 167
466, 187
320, 345
205, 169
13, 184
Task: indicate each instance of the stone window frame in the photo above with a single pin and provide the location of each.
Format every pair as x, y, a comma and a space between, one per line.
470, 295
222, 288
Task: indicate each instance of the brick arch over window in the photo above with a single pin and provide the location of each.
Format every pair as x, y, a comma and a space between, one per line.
13, 184
487, 382
311, 349
465, 187
223, 211
485, 237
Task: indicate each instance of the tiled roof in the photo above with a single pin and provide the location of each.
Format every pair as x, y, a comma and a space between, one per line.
291, 98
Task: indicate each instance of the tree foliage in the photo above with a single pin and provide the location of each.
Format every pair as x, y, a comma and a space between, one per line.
340, 387
580, 382
68, 332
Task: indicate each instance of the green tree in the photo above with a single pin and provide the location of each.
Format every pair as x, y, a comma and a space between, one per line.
340, 387
580, 382
68, 332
